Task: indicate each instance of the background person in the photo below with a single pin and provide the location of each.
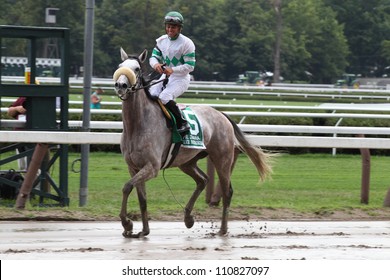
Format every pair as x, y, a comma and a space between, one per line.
17, 111
96, 98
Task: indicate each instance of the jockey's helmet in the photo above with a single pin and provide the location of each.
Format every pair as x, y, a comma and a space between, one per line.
174, 18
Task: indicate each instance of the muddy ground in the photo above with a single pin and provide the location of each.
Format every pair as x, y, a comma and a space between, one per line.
246, 240
268, 234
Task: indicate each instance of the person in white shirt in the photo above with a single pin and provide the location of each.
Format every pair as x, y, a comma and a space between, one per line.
173, 57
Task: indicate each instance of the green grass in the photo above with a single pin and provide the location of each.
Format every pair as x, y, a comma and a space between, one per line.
303, 183
311, 182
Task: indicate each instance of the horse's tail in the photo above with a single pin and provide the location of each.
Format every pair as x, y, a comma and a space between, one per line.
259, 158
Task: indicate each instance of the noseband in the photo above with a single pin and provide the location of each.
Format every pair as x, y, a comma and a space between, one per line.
134, 80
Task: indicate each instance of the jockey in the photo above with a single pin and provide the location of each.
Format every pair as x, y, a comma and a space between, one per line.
173, 57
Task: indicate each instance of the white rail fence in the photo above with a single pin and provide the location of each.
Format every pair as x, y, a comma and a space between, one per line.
378, 111
68, 137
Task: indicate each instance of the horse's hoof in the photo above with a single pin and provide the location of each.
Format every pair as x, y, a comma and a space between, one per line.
142, 234
127, 234
213, 204
222, 232
189, 221
128, 228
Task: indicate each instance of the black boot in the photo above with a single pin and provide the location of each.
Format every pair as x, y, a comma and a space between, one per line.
181, 123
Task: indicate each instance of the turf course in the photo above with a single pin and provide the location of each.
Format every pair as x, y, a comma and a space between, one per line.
303, 183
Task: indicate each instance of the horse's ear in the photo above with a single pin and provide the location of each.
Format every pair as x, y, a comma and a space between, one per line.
124, 55
142, 57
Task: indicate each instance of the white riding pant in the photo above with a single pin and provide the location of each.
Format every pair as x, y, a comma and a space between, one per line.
175, 87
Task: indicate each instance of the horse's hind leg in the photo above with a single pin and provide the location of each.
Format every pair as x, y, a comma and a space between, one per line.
223, 169
201, 179
226, 200
217, 194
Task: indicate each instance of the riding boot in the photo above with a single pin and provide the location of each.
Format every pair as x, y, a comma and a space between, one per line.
181, 123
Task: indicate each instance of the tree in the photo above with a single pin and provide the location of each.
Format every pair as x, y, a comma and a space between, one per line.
367, 25
133, 25
324, 38
204, 24
313, 42
277, 5
249, 36
386, 51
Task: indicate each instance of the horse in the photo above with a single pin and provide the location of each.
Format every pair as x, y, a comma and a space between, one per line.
146, 140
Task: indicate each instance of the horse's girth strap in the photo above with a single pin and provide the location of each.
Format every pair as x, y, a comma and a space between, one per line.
165, 111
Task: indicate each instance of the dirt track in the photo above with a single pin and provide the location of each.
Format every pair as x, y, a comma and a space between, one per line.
264, 240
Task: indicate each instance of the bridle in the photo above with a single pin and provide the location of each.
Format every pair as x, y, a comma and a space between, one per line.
139, 81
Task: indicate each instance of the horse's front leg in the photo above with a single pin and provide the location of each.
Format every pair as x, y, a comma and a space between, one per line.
138, 181
141, 191
126, 223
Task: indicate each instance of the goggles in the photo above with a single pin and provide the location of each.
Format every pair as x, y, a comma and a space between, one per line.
173, 20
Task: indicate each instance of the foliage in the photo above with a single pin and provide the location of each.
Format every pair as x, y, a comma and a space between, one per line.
324, 38
321, 45
367, 26
385, 47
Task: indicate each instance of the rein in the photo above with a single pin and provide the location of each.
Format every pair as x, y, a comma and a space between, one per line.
152, 84
149, 84
138, 82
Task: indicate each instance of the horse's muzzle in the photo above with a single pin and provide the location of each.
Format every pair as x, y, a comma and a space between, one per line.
122, 87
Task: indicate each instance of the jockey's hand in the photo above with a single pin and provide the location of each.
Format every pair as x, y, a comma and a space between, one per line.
168, 71
162, 69
159, 68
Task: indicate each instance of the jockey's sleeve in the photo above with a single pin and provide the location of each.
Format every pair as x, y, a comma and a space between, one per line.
156, 57
188, 66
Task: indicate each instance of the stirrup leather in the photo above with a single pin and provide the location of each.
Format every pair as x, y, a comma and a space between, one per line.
164, 109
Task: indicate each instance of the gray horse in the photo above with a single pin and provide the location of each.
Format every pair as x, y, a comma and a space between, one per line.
146, 140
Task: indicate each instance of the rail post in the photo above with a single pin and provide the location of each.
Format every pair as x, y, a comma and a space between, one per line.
366, 167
